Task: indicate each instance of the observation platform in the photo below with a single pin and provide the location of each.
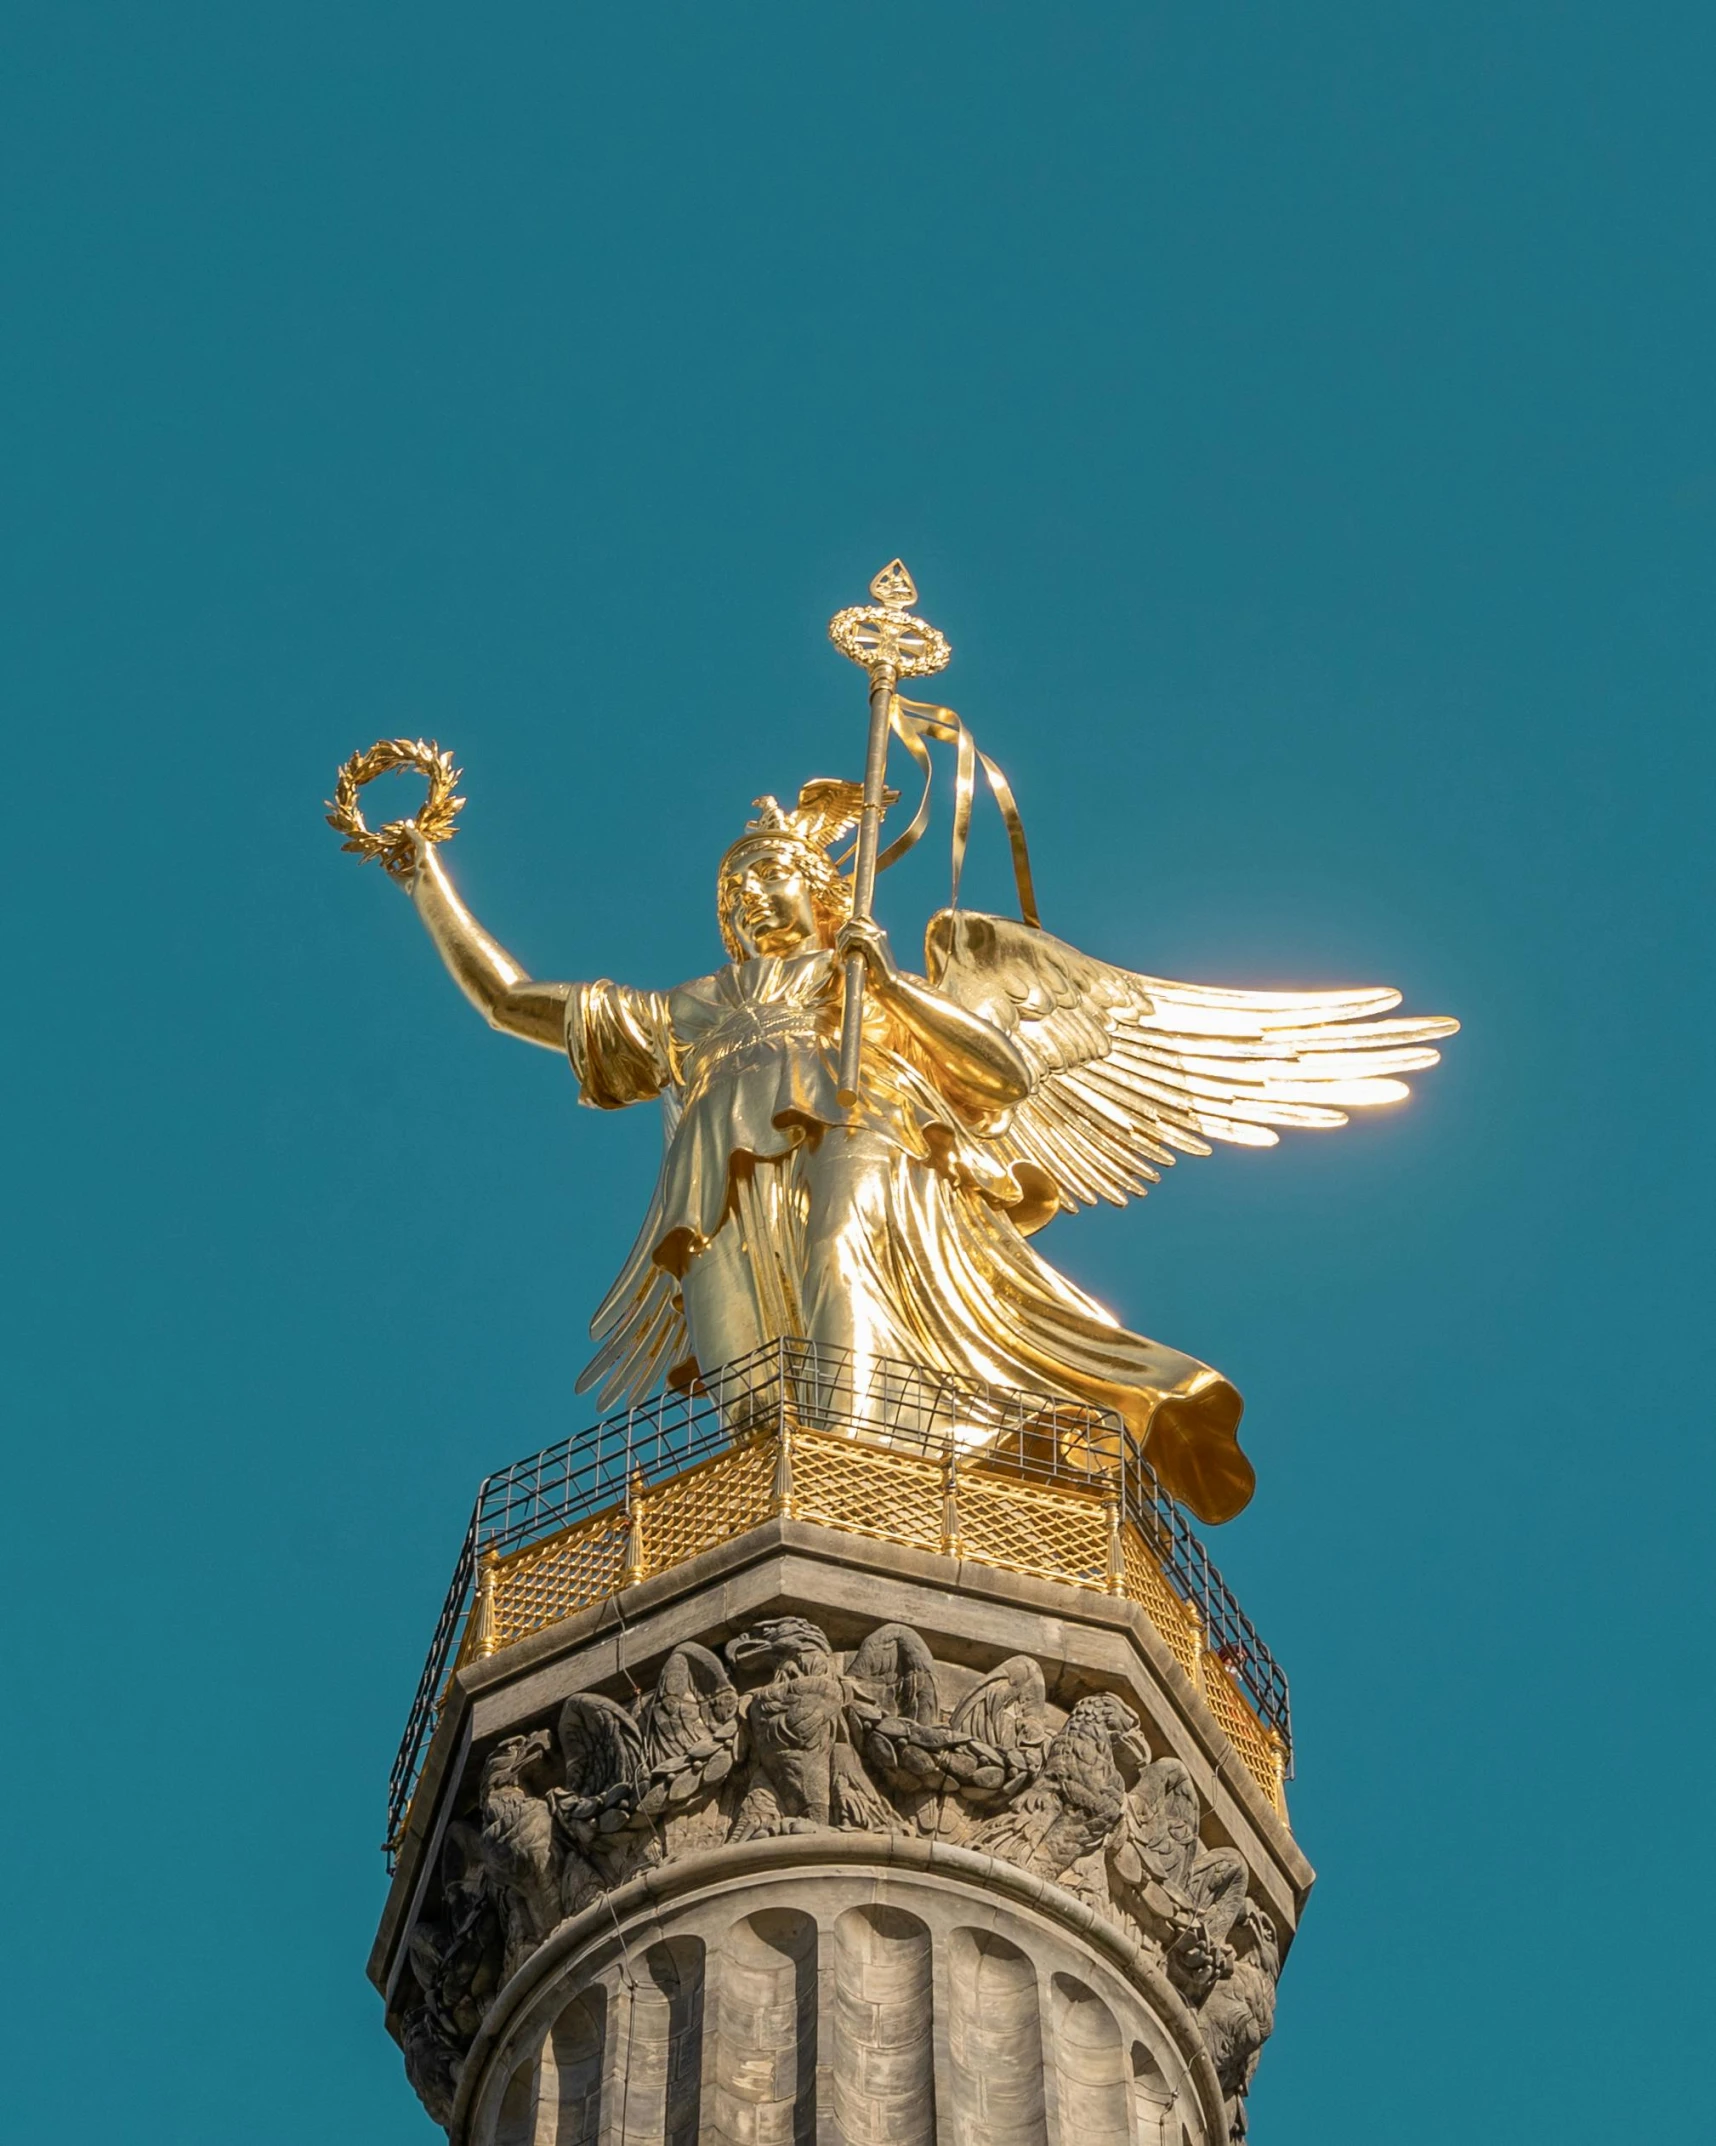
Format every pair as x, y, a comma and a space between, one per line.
986, 1476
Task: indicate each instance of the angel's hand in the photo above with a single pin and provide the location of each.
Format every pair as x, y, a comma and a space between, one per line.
864, 936
415, 847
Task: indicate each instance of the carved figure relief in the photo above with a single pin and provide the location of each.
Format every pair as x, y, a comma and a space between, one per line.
1238, 2017
1076, 1801
786, 1736
456, 1960
805, 1772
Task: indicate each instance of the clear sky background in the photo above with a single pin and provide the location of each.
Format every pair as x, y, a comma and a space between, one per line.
1299, 419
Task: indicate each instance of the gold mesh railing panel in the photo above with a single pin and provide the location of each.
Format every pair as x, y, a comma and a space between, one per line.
552, 1579
1023, 1527
1243, 1730
707, 1505
867, 1490
1168, 1610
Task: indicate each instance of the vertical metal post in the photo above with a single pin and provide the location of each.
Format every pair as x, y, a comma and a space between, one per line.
951, 1543
637, 1565
484, 1636
781, 1490
1198, 1636
1278, 1757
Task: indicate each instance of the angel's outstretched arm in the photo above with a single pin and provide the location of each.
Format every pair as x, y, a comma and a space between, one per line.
986, 1067
482, 968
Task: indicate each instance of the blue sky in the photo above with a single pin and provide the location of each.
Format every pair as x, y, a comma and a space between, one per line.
1298, 418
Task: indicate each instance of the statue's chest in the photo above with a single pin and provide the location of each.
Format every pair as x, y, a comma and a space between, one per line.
731, 1038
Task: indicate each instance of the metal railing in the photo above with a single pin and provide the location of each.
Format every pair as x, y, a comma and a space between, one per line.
798, 1385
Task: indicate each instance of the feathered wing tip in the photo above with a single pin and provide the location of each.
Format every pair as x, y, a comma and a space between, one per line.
646, 1340
828, 809
1131, 1070
640, 1324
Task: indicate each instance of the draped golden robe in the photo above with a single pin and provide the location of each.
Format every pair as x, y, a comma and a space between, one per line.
886, 1231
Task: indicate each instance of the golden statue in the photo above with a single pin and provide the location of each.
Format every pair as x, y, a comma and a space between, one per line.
875, 1191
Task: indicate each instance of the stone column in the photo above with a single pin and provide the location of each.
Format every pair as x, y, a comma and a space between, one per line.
815, 1837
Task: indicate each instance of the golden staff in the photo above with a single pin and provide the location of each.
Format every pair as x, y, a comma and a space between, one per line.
890, 644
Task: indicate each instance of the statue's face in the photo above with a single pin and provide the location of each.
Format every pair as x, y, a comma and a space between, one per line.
769, 909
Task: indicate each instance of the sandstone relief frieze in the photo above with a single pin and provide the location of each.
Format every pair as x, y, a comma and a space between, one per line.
781, 1734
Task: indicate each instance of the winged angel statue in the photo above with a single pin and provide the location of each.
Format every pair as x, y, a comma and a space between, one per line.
1015, 1079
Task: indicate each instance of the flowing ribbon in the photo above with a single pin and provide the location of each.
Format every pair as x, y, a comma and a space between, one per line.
914, 722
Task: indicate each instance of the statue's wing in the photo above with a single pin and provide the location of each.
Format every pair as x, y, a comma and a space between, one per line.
639, 1325
692, 1702
1006, 1709
1129, 1068
643, 1338
896, 1668
600, 1744
828, 808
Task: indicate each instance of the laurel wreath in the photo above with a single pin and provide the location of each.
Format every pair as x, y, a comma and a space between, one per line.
390, 845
